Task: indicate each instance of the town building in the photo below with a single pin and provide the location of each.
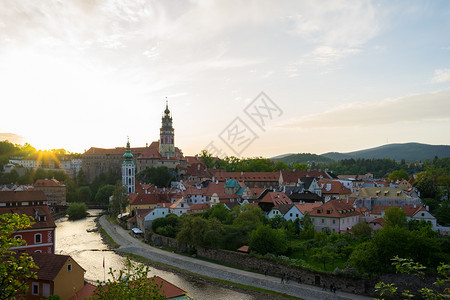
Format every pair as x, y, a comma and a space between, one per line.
335, 216
159, 153
384, 196
57, 275
22, 198
40, 237
53, 189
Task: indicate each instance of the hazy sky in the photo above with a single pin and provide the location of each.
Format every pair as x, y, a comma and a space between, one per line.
340, 75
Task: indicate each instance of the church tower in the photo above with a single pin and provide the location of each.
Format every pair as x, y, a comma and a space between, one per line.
166, 135
128, 170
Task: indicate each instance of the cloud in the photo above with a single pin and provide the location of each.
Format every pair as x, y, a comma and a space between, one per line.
441, 75
325, 55
415, 108
335, 28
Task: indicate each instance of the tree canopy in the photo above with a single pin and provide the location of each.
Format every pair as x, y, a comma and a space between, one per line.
15, 269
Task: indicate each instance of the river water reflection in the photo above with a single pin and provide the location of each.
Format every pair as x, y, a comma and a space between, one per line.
88, 250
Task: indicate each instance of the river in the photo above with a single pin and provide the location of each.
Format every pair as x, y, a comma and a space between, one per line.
89, 251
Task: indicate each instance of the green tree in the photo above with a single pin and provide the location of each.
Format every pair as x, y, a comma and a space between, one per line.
277, 222
220, 212
307, 227
84, 194
15, 269
167, 226
248, 217
442, 213
119, 200
132, 282
267, 240
81, 178
192, 230
362, 230
159, 176
395, 216
323, 256
398, 175
425, 183
77, 211
207, 159
104, 193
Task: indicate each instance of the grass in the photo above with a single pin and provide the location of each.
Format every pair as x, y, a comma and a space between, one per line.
110, 241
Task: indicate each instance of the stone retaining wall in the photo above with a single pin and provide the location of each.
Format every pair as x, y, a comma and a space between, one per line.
245, 261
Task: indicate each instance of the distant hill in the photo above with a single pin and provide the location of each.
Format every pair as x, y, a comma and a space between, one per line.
407, 151
301, 158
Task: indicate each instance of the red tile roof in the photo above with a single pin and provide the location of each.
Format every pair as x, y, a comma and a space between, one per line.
31, 211
150, 199
334, 209
307, 207
50, 264
276, 198
291, 177
333, 187
198, 207
246, 176
86, 292
283, 208
22, 196
48, 183
411, 210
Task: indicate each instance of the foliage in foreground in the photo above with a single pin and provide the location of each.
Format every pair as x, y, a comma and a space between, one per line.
132, 282
15, 269
408, 266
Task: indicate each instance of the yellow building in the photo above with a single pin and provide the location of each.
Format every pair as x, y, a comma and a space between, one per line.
57, 275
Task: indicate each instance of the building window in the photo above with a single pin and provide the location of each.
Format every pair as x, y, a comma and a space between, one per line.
423, 214
290, 214
323, 220
334, 222
38, 251
18, 237
69, 267
35, 288
38, 238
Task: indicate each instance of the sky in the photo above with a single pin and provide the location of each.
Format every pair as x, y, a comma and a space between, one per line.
242, 78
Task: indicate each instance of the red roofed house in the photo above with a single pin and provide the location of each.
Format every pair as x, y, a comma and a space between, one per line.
53, 189
335, 215
271, 199
418, 212
57, 275
22, 198
334, 190
292, 178
297, 211
41, 236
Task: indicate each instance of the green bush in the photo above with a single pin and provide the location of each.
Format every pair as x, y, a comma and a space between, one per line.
77, 211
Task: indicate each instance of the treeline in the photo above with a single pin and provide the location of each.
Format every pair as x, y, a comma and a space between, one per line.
235, 164
362, 253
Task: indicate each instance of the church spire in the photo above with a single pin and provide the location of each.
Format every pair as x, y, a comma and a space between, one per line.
128, 170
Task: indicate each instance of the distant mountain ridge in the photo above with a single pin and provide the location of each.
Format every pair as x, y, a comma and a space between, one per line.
407, 151
301, 158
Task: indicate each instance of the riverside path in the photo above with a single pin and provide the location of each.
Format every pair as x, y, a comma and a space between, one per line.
128, 244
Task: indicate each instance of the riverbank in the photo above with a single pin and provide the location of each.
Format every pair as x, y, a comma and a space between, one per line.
130, 245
